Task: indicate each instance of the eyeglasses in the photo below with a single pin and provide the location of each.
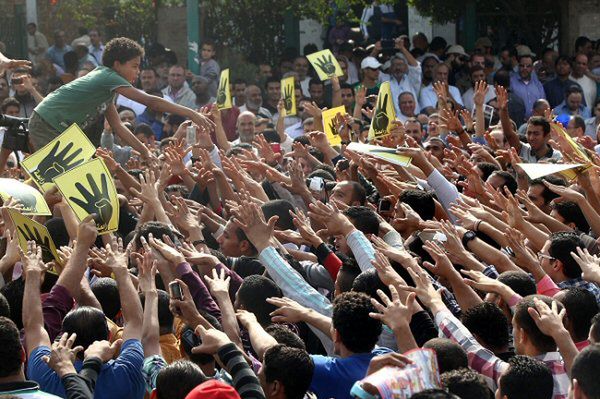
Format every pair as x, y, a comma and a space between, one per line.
544, 256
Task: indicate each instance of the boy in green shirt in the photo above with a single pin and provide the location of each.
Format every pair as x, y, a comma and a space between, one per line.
83, 99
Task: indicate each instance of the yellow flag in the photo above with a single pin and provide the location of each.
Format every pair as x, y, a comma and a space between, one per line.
288, 94
32, 200
384, 153
325, 64
332, 133
90, 189
30, 230
384, 113
68, 150
223, 92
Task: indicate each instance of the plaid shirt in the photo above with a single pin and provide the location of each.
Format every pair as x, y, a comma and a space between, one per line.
492, 367
579, 282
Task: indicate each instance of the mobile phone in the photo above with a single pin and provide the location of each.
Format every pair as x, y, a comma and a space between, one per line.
16, 81
385, 205
316, 183
190, 135
175, 290
190, 339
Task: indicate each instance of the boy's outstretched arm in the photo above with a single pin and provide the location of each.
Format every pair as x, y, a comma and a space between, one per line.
162, 105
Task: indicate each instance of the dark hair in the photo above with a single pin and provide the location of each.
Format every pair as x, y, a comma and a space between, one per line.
315, 152
347, 87
177, 379
579, 122
420, 201
271, 136
10, 348
70, 60
475, 68
315, 81
368, 282
285, 336
106, 291
509, 181
526, 378
13, 292
121, 49
541, 341
450, 355
271, 80
581, 308
434, 393
246, 266
351, 309
280, 208
540, 121
595, 328
9, 102
185, 348
502, 78
571, 213
253, 293
488, 322
302, 140
466, 383
581, 41
292, 367
88, 323
548, 194
4, 307
358, 192
364, 219
520, 282
561, 245
486, 168
347, 273
158, 229
586, 369
144, 129
437, 43
561, 58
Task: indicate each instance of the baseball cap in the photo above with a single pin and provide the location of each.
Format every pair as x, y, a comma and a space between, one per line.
523, 50
483, 42
213, 389
457, 49
370, 62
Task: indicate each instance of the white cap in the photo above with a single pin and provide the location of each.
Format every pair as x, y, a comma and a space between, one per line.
370, 62
457, 49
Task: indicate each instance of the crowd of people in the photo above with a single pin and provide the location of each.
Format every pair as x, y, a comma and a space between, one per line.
253, 259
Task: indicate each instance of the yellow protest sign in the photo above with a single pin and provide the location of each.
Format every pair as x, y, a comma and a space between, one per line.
384, 113
536, 170
32, 200
384, 153
325, 64
68, 150
30, 230
223, 92
90, 189
329, 125
288, 94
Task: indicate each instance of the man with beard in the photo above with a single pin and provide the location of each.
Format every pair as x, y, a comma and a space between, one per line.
405, 76
201, 90
273, 88
526, 85
254, 103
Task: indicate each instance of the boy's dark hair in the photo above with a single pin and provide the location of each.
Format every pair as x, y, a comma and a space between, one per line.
595, 329
581, 308
526, 378
246, 266
177, 379
586, 369
280, 208
486, 168
4, 307
165, 316
10, 348
509, 181
541, 341
285, 336
144, 129
121, 49
106, 291
157, 229
572, 213
347, 273
364, 219
351, 309
548, 194
434, 393
88, 323
13, 292
420, 201
450, 355
488, 322
466, 383
292, 367
368, 282
540, 121
561, 245
519, 282
252, 295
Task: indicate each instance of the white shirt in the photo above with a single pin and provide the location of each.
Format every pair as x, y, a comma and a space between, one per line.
304, 85
428, 98
410, 82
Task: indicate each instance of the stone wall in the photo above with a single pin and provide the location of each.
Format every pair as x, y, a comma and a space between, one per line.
580, 18
172, 32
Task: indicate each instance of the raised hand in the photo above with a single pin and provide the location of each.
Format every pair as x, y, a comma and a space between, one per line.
32, 259
104, 350
168, 252
330, 216
589, 264
96, 202
481, 89
63, 355
288, 310
212, 340
548, 320
393, 312
56, 163
218, 284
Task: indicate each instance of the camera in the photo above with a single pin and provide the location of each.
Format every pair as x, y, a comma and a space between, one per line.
16, 137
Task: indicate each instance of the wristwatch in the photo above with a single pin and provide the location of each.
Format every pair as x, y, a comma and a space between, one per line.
470, 235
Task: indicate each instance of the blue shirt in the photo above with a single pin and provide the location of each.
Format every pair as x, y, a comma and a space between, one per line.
529, 92
118, 379
555, 90
333, 377
56, 54
582, 111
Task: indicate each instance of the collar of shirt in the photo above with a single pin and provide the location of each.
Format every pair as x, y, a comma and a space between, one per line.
546, 155
17, 387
